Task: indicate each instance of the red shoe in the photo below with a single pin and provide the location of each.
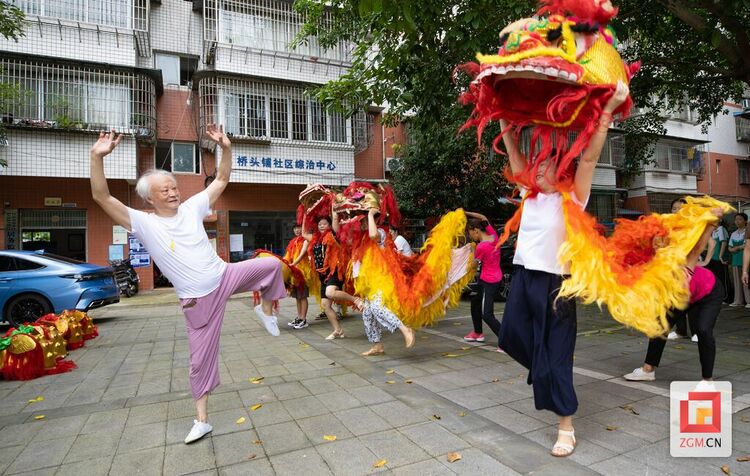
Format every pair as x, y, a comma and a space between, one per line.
474, 337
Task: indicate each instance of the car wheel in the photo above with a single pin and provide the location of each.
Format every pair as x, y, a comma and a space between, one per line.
26, 307
133, 288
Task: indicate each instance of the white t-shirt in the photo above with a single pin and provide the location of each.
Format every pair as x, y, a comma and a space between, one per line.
541, 233
180, 247
402, 246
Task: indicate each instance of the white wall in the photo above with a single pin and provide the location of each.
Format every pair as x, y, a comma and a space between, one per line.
56, 154
604, 177
721, 134
175, 28
246, 155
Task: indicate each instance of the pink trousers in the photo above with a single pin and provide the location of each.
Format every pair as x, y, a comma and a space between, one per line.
205, 315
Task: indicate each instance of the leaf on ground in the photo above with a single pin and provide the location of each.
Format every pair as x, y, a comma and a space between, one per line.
630, 409
390, 371
332, 363
733, 337
742, 459
380, 463
408, 381
449, 355
453, 457
252, 456
462, 414
436, 416
329, 437
495, 380
466, 347
745, 419
611, 428
256, 406
240, 420
257, 442
390, 382
256, 380
37, 399
456, 324
679, 347
424, 337
725, 469
304, 346
39, 417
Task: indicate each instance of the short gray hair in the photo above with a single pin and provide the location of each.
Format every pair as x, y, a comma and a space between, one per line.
143, 186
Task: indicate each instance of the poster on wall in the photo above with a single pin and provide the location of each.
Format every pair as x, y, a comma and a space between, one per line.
236, 243
119, 235
139, 257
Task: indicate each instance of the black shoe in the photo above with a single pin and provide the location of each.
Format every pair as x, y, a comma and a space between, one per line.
321, 317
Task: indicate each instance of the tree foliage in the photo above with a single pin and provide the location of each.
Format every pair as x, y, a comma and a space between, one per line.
693, 51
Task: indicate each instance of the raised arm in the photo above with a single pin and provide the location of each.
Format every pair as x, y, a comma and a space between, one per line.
515, 157
709, 253
476, 215
335, 226
693, 257
224, 170
372, 227
587, 164
116, 210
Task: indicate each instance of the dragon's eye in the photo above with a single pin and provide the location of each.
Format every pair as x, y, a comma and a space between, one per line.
504, 38
555, 34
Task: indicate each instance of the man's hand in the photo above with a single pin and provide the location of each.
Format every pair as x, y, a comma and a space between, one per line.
106, 143
217, 135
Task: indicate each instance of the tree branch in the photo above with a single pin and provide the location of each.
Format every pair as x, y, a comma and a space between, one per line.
735, 74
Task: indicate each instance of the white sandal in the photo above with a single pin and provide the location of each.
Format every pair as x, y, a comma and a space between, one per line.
566, 448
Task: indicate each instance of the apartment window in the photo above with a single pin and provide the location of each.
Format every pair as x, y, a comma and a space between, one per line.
743, 167
85, 104
675, 157
338, 127
318, 121
279, 118
115, 13
178, 157
299, 119
176, 69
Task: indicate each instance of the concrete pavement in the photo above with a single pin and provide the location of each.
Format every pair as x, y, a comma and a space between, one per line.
127, 408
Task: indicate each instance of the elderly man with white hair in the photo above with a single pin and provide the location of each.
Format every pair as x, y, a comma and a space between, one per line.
175, 238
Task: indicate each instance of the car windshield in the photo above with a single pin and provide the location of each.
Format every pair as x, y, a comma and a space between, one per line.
62, 259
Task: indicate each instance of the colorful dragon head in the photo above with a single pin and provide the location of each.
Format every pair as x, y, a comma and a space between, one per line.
315, 202
554, 72
355, 202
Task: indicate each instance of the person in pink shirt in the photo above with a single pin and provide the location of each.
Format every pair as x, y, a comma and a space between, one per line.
490, 275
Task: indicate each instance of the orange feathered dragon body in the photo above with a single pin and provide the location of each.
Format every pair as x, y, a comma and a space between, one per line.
551, 77
417, 289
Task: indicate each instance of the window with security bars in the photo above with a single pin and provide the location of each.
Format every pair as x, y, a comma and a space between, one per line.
128, 14
743, 169
72, 98
672, 157
270, 25
270, 111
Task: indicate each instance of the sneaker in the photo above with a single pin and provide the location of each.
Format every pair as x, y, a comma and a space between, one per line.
269, 322
674, 335
747, 306
293, 323
301, 324
321, 317
471, 337
199, 430
640, 375
705, 386
694, 338
734, 304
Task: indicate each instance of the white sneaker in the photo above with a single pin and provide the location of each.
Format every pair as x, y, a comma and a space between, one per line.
640, 375
674, 335
734, 304
694, 338
198, 431
747, 306
269, 321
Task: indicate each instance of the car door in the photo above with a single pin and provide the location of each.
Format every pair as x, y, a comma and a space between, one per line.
7, 270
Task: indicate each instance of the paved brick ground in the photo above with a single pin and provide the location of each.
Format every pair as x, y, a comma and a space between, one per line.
127, 408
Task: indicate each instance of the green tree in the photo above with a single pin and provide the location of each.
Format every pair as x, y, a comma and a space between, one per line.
11, 27
692, 51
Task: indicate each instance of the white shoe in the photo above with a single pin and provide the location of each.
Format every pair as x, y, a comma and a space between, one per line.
706, 386
269, 321
735, 305
694, 338
640, 375
674, 335
747, 306
198, 431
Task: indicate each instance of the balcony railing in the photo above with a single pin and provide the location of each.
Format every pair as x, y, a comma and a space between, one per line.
677, 157
268, 112
74, 98
742, 126
262, 25
124, 14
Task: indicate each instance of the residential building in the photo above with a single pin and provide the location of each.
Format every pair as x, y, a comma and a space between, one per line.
159, 72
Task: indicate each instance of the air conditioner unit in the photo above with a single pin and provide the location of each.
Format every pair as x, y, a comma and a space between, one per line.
392, 164
745, 103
